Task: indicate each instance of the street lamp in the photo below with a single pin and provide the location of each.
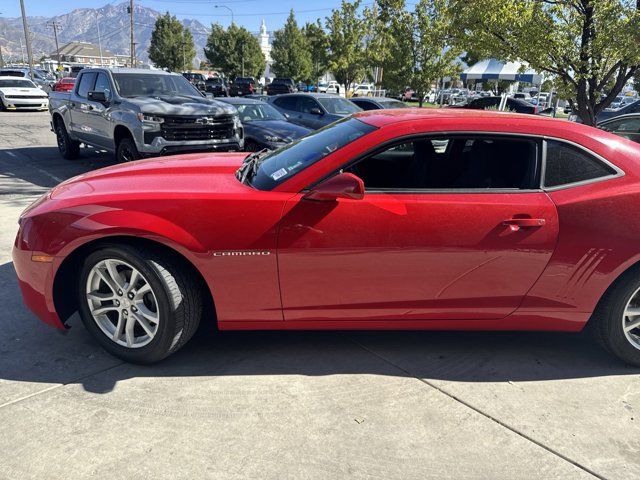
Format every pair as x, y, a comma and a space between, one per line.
228, 8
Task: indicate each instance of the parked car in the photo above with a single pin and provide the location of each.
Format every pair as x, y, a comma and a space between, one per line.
18, 93
408, 95
607, 114
627, 126
377, 103
217, 87
243, 86
622, 101
38, 78
492, 103
363, 90
198, 80
332, 87
281, 85
393, 235
65, 84
136, 113
258, 96
264, 126
313, 110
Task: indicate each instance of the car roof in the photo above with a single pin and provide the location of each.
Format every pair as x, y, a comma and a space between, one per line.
619, 117
240, 101
13, 77
143, 71
380, 118
309, 94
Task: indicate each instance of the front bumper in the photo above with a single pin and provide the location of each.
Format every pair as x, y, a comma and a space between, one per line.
154, 144
25, 103
36, 284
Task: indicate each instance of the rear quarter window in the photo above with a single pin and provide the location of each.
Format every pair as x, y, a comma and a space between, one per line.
566, 164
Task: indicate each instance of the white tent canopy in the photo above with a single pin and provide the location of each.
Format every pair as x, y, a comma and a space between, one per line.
494, 70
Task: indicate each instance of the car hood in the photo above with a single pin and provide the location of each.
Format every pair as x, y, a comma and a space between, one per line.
180, 105
278, 128
32, 92
163, 177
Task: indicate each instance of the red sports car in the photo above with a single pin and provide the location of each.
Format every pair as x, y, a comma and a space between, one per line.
406, 219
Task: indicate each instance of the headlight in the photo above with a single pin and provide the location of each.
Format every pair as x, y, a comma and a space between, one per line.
273, 139
236, 122
143, 117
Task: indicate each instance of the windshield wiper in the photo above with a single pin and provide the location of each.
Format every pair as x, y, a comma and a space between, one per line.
250, 165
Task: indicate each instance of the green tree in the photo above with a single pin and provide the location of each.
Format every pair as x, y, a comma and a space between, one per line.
290, 51
169, 40
347, 29
418, 51
318, 43
188, 48
589, 46
234, 51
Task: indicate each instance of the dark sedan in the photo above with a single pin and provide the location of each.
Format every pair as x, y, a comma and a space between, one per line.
378, 103
493, 103
313, 110
607, 114
264, 126
627, 126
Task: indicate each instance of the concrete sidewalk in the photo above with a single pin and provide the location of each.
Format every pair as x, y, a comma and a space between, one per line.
387, 405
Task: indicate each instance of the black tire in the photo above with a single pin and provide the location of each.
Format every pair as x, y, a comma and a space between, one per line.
2, 107
69, 149
179, 302
127, 150
607, 321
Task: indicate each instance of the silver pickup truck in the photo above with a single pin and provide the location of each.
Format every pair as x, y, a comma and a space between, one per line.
137, 113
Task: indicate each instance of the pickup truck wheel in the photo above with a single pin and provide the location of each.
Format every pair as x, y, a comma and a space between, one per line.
69, 149
139, 304
127, 151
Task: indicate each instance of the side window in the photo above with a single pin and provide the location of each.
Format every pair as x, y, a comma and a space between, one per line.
366, 105
87, 81
306, 104
103, 85
567, 164
451, 163
629, 125
288, 103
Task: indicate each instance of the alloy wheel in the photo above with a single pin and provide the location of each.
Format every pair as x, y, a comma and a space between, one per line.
122, 303
631, 320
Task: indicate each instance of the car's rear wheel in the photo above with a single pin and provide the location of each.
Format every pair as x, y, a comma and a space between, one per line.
127, 150
69, 149
139, 305
616, 322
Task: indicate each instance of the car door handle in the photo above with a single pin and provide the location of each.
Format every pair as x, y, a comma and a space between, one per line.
516, 224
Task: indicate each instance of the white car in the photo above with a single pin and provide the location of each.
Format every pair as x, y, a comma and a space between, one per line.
332, 87
21, 94
363, 90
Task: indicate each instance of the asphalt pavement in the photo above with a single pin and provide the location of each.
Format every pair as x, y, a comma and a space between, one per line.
304, 405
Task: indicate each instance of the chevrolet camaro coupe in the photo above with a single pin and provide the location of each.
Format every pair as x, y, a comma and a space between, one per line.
390, 219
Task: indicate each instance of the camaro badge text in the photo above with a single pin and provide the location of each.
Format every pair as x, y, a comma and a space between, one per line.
241, 253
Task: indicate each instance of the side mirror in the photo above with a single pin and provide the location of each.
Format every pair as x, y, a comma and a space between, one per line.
286, 115
343, 185
316, 111
97, 96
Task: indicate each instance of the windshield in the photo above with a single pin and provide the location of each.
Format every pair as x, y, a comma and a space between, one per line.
338, 106
17, 83
144, 84
281, 164
257, 111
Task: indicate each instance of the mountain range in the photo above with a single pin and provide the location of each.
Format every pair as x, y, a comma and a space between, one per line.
82, 25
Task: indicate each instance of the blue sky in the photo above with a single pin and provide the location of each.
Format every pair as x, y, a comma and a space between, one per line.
248, 13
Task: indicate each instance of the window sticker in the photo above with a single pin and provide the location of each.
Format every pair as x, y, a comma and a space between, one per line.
279, 173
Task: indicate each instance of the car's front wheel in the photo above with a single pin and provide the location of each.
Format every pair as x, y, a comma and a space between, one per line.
616, 321
139, 305
127, 150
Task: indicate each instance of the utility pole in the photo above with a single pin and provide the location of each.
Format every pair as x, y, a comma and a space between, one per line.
27, 38
24, 62
1, 58
99, 42
133, 45
55, 26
